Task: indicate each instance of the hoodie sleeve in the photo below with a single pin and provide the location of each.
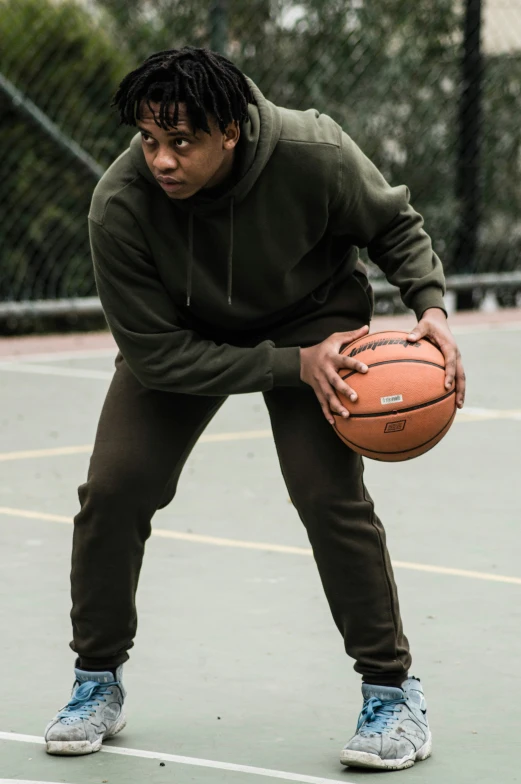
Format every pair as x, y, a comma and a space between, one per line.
160, 353
379, 217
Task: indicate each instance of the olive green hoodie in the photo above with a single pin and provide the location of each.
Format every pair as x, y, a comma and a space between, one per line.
174, 276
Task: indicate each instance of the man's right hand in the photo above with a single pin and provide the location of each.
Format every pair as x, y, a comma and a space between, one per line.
319, 366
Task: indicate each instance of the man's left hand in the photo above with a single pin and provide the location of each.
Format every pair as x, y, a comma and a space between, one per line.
433, 325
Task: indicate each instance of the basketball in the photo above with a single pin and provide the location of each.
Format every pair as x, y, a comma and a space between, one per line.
403, 407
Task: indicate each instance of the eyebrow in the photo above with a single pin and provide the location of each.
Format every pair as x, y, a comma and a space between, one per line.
177, 132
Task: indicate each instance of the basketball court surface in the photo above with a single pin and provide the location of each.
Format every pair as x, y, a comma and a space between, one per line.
238, 675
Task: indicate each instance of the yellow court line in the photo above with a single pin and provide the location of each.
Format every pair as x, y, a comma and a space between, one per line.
60, 450
472, 415
268, 547
482, 414
241, 435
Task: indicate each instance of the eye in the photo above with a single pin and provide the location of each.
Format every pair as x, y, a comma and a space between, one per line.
148, 140
181, 143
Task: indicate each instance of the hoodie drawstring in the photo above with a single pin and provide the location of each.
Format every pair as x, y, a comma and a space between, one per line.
190, 258
230, 255
189, 272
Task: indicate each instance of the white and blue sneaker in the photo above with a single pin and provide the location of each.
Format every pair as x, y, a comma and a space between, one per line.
393, 729
94, 712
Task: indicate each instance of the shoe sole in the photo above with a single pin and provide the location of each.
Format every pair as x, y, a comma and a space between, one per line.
363, 759
75, 748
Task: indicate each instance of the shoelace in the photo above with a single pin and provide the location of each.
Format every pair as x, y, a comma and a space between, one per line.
376, 714
85, 699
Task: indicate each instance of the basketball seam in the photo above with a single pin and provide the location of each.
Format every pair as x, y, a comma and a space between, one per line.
403, 410
394, 362
400, 451
388, 332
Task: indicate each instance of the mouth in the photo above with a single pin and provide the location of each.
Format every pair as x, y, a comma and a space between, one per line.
169, 184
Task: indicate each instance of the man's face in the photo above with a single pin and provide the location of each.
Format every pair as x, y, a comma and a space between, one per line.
184, 161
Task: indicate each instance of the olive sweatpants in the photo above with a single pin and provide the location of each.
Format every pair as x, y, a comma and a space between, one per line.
143, 439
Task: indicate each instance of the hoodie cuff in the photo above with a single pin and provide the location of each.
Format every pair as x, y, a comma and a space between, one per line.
428, 298
286, 367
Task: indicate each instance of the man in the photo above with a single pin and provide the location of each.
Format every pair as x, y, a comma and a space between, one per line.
225, 247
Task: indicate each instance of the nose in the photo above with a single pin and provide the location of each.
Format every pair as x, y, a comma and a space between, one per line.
165, 160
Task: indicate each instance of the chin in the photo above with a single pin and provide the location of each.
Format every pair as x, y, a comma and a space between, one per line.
181, 196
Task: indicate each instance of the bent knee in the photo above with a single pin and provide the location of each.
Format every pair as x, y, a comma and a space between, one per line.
121, 487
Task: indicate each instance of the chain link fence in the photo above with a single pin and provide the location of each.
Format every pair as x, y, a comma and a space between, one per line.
390, 73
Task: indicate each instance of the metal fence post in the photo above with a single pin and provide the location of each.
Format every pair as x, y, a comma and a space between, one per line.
468, 184
218, 17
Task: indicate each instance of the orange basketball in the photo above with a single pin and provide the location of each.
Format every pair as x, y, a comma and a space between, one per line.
403, 407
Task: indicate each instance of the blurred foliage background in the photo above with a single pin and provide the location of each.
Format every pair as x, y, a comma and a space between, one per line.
389, 73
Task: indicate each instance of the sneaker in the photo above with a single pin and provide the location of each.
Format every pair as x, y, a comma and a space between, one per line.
393, 729
94, 712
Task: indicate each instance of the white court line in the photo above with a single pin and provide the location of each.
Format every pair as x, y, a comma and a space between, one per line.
218, 541
50, 370
59, 356
471, 329
466, 415
22, 363
201, 763
25, 781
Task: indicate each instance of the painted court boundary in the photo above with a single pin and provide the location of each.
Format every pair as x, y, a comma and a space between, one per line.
468, 415
90, 347
206, 438
269, 547
201, 763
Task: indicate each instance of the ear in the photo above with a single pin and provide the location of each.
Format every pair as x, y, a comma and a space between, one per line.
231, 135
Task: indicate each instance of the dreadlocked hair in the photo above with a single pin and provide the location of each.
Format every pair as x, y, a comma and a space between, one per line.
204, 80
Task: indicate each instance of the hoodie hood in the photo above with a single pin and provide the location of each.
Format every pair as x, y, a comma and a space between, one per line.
259, 136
